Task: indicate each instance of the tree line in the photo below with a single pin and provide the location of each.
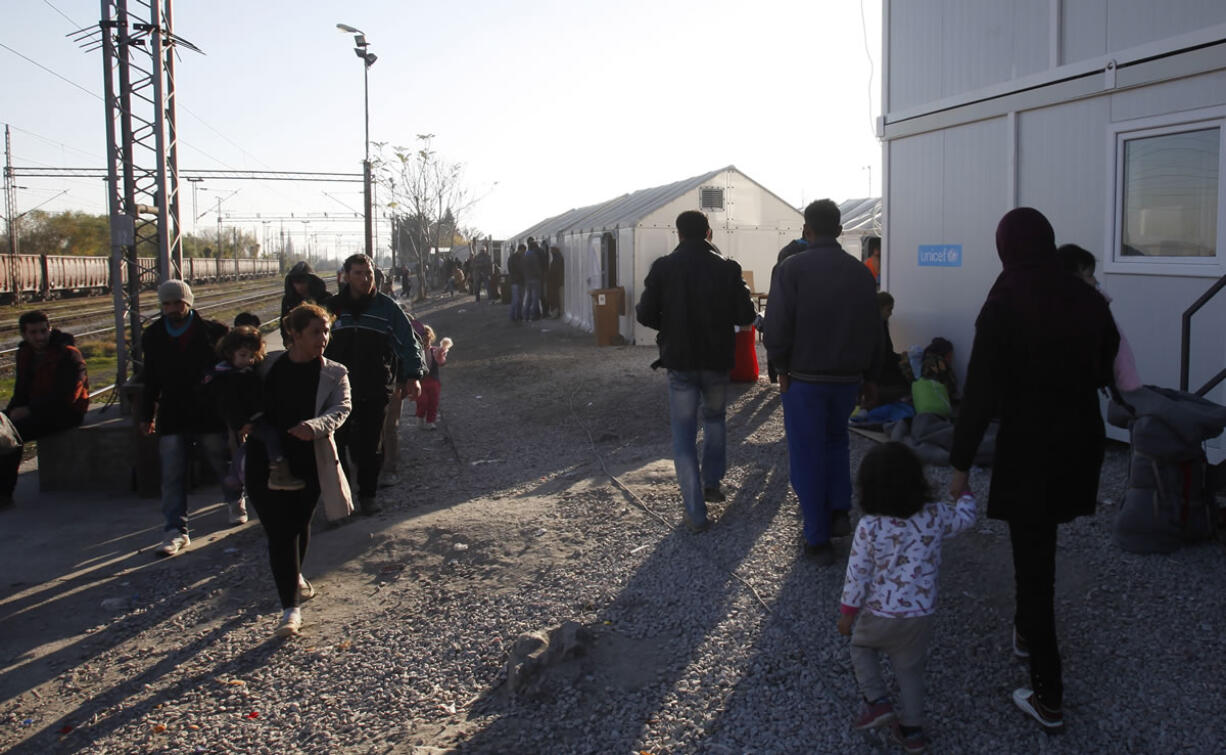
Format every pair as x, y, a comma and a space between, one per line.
77, 233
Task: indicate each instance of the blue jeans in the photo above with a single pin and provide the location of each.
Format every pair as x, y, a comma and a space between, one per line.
819, 451
173, 450
685, 389
517, 302
532, 299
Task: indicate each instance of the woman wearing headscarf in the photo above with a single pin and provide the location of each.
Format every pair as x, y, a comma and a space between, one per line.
1044, 345
306, 398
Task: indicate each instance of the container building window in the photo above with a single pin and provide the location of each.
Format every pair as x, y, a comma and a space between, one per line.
1170, 200
711, 198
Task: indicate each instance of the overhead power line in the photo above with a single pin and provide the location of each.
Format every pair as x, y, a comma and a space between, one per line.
53, 73
229, 175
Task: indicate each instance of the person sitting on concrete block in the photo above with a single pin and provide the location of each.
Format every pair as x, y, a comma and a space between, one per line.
51, 393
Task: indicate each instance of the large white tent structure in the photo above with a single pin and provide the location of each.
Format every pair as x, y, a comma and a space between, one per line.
613, 243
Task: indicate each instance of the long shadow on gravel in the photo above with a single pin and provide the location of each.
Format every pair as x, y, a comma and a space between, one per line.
650, 635
83, 734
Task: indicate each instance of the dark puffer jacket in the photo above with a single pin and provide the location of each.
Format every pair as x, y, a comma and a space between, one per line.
317, 290
55, 386
694, 296
172, 373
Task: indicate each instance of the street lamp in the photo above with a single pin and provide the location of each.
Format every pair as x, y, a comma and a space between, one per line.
368, 60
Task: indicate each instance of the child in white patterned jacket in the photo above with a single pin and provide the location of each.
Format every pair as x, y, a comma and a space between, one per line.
892, 575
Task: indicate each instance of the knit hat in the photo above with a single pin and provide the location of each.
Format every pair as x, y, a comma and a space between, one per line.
176, 290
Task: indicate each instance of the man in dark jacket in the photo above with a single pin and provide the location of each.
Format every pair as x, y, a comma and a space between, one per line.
536, 261
553, 282
515, 271
179, 347
823, 334
372, 337
694, 297
51, 393
482, 267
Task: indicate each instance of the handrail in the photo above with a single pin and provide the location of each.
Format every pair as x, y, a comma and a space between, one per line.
1185, 349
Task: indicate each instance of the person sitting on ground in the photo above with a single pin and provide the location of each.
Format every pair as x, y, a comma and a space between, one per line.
302, 285
1082, 264
51, 393
891, 584
893, 385
233, 387
938, 365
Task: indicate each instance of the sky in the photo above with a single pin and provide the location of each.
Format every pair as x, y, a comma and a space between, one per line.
547, 104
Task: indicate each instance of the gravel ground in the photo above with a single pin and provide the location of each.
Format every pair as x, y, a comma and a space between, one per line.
722, 642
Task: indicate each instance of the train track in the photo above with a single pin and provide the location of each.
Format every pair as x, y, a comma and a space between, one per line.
7, 356
68, 311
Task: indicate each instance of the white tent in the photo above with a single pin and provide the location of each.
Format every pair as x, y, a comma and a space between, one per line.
613, 243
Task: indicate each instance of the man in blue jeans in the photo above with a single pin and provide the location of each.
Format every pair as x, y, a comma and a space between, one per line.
823, 335
178, 349
693, 297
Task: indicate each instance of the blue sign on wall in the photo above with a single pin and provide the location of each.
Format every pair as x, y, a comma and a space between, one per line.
940, 255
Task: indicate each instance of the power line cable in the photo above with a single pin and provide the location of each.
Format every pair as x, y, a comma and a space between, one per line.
49, 4
53, 142
53, 73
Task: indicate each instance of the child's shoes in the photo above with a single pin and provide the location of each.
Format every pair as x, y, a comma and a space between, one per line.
280, 478
874, 714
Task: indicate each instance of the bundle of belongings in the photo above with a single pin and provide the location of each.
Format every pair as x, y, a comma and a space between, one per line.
1170, 498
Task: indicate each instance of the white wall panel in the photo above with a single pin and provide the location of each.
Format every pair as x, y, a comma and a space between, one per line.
1191, 93
1083, 30
1135, 22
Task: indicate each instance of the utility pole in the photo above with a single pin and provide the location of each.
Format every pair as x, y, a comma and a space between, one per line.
219, 254
10, 213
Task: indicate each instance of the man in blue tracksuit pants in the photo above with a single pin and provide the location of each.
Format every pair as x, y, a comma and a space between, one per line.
823, 334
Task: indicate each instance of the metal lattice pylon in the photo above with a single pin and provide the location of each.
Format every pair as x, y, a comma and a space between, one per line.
138, 50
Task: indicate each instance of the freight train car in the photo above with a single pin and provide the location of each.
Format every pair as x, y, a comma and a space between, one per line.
48, 276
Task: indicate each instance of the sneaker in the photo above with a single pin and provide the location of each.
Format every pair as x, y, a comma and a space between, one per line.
429, 426
874, 714
1051, 719
840, 524
280, 478
823, 554
306, 590
174, 543
238, 512
388, 480
368, 505
291, 623
915, 741
1021, 649
713, 495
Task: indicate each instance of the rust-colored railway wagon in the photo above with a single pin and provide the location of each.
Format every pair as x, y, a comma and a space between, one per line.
49, 276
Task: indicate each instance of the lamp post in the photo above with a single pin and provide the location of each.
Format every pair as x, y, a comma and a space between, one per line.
368, 60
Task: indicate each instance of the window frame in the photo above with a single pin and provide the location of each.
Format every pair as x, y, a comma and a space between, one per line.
1175, 123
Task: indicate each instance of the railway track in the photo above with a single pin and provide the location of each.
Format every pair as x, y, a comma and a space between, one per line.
8, 355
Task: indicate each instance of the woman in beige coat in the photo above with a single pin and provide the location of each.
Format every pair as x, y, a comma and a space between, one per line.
306, 398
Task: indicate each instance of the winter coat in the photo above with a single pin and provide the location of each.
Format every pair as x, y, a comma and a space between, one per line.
694, 296
822, 319
172, 374
317, 290
234, 394
333, 403
1044, 343
55, 386
372, 337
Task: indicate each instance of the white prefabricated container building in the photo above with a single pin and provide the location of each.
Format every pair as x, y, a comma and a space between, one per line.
613, 243
1106, 115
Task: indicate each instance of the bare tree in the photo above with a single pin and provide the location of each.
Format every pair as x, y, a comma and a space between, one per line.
428, 197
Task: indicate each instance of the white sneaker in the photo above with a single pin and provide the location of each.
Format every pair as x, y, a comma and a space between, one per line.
173, 544
238, 512
306, 590
430, 426
291, 623
388, 480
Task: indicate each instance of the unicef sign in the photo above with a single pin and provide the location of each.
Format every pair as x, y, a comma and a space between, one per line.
940, 255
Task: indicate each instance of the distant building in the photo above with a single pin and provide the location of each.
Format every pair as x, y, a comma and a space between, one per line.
1106, 115
613, 243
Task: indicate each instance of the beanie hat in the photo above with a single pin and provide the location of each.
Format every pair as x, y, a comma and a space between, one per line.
175, 290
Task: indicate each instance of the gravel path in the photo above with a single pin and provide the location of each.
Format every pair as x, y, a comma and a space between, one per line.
722, 642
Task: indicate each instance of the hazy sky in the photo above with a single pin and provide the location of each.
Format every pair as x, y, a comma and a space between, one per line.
549, 104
